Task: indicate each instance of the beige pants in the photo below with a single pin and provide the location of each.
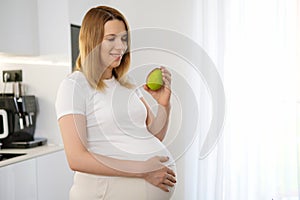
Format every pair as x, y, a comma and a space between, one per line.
93, 187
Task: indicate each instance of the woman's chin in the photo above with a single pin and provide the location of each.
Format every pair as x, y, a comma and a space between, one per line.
114, 64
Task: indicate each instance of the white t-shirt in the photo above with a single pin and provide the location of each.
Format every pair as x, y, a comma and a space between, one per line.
116, 118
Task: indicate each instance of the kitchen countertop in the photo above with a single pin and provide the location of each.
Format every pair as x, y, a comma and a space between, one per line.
29, 153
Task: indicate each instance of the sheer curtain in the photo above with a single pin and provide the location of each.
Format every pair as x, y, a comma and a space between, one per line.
254, 45
212, 17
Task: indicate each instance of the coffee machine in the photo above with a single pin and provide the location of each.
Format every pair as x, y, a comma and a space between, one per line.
18, 122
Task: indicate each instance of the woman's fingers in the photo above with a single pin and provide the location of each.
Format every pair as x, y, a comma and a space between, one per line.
165, 71
163, 158
160, 175
170, 171
167, 82
171, 178
164, 187
146, 88
166, 77
168, 183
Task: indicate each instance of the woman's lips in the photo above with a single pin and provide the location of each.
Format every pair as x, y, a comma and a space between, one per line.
116, 56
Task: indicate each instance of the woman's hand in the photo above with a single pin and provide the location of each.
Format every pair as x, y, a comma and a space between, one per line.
158, 174
162, 95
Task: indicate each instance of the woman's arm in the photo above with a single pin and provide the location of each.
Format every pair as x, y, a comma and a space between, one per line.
158, 124
73, 130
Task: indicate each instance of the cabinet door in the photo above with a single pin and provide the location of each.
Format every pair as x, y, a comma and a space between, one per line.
19, 27
18, 181
54, 177
54, 28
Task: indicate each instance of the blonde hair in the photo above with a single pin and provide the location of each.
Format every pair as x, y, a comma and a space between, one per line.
90, 37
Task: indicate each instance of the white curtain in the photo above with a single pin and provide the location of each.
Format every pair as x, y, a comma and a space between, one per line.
211, 31
254, 46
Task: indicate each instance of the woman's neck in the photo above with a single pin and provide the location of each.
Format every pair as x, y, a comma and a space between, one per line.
107, 74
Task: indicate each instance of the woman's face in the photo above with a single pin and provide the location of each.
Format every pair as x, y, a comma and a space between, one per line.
114, 43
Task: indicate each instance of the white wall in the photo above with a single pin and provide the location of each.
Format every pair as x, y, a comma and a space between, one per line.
176, 15
78, 8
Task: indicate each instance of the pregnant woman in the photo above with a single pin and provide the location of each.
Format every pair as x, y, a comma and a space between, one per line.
111, 137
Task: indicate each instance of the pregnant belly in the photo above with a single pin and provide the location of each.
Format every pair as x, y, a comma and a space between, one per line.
142, 148
137, 149
128, 148
131, 148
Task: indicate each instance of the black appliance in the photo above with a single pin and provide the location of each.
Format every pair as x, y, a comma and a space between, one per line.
75, 29
18, 122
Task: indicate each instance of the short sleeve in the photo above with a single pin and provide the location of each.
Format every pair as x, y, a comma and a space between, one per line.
70, 99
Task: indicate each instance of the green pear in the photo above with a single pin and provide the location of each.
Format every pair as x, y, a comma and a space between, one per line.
154, 79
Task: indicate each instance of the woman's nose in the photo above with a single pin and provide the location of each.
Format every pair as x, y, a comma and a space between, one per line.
120, 44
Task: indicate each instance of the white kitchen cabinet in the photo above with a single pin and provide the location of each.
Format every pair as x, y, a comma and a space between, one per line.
54, 28
35, 27
46, 177
78, 8
19, 27
54, 177
18, 181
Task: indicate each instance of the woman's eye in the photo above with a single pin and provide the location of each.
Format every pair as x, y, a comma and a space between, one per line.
124, 39
111, 39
